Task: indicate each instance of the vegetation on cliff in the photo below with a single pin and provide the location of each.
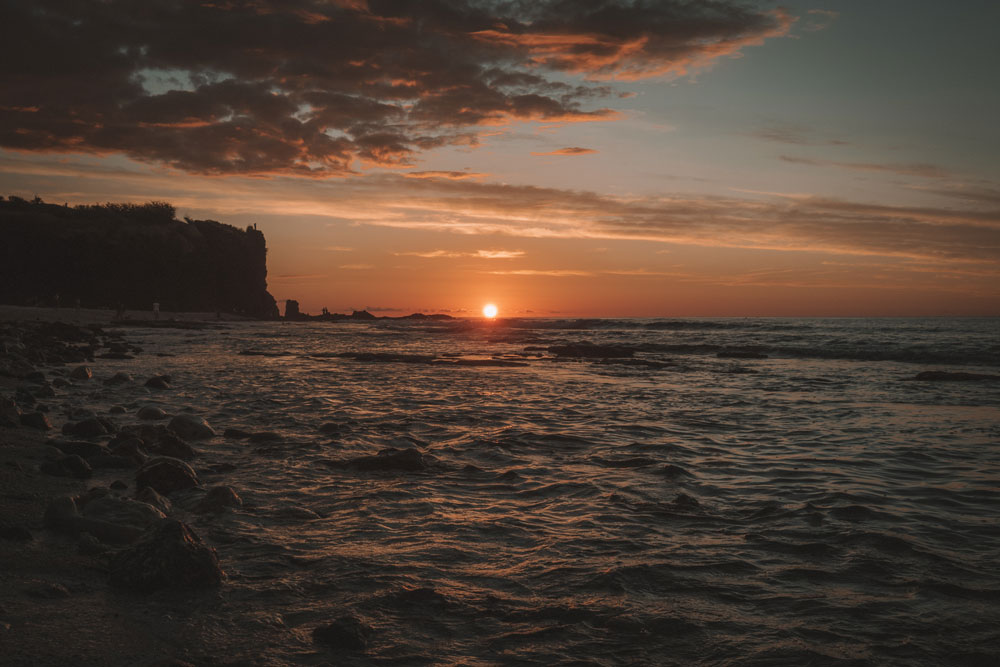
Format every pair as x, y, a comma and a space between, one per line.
129, 254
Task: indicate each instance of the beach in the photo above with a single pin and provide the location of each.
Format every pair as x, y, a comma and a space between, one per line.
703, 491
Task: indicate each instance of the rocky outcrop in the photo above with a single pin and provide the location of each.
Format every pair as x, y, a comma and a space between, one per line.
52, 254
169, 556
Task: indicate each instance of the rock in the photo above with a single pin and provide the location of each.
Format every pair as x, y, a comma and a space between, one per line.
166, 475
88, 428
88, 545
60, 382
37, 377
36, 420
345, 633
151, 497
112, 461
130, 447
265, 436
118, 485
15, 367
589, 350
60, 513
80, 448
151, 413
191, 427
388, 459
170, 445
236, 434
68, 466
81, 373
117, 410
954, 376
740, 354
120, 377
218, 499
44, 391
170, 556
123, 512
158, 382
10, 414
15, 533
48, 591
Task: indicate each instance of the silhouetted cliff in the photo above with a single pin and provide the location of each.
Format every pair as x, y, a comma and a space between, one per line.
131, 254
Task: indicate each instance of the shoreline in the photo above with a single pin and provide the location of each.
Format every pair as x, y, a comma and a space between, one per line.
57, 602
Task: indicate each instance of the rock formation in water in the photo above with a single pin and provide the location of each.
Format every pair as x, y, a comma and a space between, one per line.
134, 255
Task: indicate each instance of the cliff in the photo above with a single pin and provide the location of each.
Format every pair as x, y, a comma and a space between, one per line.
131, 254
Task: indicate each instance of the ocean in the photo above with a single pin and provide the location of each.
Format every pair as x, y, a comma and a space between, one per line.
716, 492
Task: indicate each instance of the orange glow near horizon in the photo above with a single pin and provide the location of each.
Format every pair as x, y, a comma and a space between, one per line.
490, 311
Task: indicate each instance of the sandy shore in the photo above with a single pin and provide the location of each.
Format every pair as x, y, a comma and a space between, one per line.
56, 605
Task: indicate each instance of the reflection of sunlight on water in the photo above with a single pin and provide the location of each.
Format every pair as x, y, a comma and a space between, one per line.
596, 504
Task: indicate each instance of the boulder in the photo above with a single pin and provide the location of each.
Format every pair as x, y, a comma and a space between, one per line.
955, 376
236, 433
123, 512
345, 633
81, 373
60, 513
112, 461
587, 350
10, 414
191, 427
169, 556
170, 445
36, 420
88, 428
117, 410
158, 382
151, 497
120, 377
218, 499
166, 475
390, 459
129, 447
67, 466
80, 448
151, 413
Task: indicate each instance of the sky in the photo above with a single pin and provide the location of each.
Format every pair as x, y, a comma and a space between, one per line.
566, 158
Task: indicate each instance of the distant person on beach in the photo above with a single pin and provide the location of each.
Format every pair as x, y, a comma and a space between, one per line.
156, 310
120, 311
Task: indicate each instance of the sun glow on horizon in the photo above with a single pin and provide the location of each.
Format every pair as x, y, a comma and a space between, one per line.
490, 311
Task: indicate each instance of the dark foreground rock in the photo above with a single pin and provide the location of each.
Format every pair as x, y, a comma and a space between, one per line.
218, 499
166, 475
345, 633
169, 556
191, 427
955, 376
391, 459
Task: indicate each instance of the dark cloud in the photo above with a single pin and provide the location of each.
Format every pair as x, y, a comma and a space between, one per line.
796, 135
569, 150
306, 87
919, 169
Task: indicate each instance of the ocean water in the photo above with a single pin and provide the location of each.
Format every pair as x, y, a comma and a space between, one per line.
814, 507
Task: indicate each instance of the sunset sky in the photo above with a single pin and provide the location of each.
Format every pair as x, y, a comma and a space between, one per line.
566, 158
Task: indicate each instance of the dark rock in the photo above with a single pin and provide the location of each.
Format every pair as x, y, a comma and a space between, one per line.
112, 461
88, 428
44, 391
345, 633
740, 354
166, 475
118, 378
170, 445
955, 376
48, 591
60, 382
118, 485
389, 357
587, 350
80, 448
130, 447
68, 466
81, 373
151, 413
151, 497
36, 420
122, 512
88, 545
60, 513
218, 499
191, 427
236, 434
38, 377
170, 556
265, 436
158, 382
115, 355
10, 414
117, 410
391, 459
15, 533
504, 363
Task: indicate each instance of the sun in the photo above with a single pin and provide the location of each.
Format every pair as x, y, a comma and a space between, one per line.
490, 311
